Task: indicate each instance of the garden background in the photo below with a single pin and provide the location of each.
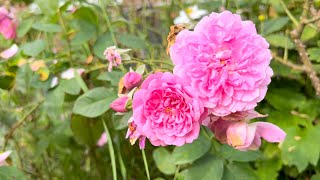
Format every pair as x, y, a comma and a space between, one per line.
51, 123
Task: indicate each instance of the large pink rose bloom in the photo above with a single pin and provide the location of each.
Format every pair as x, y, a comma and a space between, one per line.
167, 111
226, 61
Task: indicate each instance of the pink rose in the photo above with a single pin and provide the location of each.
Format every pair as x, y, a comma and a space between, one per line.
3, 157
102, 140
7, 24
113, 56
167, 111
132, 79
8, 53
119, 105
244, 136
225, 61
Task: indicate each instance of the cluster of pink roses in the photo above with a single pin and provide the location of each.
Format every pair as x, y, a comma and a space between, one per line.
7, 24
221, 72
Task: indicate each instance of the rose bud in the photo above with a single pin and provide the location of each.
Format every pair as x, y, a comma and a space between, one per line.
119, 105
131, 80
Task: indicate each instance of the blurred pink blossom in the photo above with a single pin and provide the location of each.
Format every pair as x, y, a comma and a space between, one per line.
3, 157
113, 57
102, 140
225, 61
7, 25
8, 53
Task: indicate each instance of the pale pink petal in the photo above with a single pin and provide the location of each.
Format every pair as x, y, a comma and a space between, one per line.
269, 132
102, 140
3, 157
8, 53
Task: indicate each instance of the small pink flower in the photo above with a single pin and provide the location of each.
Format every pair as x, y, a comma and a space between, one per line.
7, 24
113, 57
133, 135
8, 53
167, 111
131, 80
102, 140
244, 136
3, 157
70, 73
119, 105
225, 61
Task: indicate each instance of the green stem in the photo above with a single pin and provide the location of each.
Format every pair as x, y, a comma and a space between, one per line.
111, 151
108, 22
177, 172
293, 19
145, 163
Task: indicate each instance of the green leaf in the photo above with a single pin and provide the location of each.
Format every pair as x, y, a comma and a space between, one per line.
101, 44
232, 154
268, 169
308, 33
86, 131
314, 54
113, 77
87, 14
70, 86
34, 48
191, 152
164, 161
132, 41
6, 81
208, 167
94, 103
301, 147
279, 40
48, 7
274, 25
86, 31
121, 121
284, 99
10, 173
239, 171
51, 28
315, 177
24, 27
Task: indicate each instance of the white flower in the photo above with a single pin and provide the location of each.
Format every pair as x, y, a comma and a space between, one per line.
54, 82
8, 53
70, 73
193, 12
34, 8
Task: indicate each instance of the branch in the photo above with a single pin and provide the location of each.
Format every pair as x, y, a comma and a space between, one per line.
308, 21
290, 64
19, 123
296, 34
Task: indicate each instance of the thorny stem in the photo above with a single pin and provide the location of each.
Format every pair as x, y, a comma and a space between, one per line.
19, 123
289, 64
301, 48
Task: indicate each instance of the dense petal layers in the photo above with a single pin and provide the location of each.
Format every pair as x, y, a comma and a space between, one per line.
225, 61
167, 111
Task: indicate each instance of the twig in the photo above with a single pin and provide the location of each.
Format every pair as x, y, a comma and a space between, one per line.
308, 21
296, 34
19, 123
293, 19
290, 64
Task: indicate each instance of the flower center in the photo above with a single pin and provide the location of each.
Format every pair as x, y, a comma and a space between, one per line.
189, 11
167, 110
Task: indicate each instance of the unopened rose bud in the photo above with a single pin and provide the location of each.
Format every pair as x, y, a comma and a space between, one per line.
131, 80
119, 105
